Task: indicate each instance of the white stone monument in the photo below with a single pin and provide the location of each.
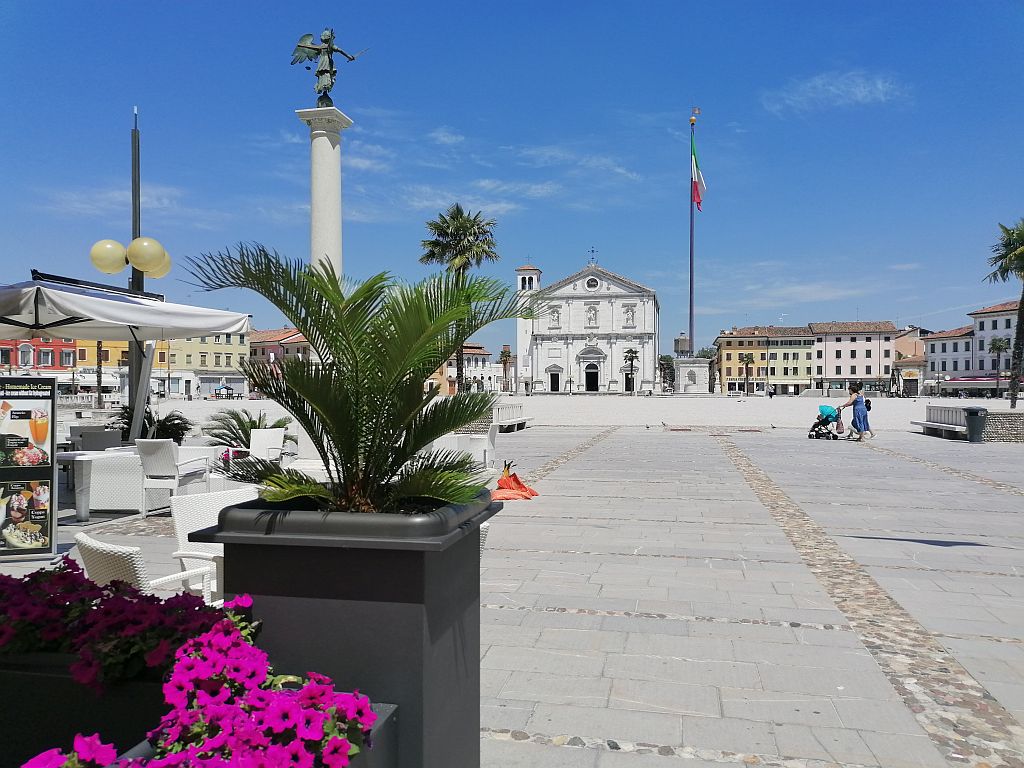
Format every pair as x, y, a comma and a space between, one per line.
325, 127
693, 375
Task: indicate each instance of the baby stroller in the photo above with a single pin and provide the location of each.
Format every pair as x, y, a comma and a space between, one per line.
822, 427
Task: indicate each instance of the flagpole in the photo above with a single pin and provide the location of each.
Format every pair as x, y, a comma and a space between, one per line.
693, 341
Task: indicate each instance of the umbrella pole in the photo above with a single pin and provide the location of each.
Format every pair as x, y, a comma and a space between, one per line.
141, 393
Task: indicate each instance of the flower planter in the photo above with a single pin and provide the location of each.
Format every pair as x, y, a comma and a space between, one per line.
387, 604
383, 737
44, 706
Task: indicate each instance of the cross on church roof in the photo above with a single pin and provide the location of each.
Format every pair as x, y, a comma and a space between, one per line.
593, 256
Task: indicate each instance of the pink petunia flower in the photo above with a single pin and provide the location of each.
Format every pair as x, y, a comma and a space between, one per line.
51, 758
90, 748
240, 601
335, 754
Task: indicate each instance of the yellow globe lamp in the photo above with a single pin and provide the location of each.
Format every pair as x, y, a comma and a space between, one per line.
145, 254
163, 269
108, 256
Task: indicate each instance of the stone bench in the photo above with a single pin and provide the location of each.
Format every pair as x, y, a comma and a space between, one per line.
509, 417
944, 421
940, 429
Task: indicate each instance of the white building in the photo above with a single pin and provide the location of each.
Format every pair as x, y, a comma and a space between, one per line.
997, 321
583, 327
961, 360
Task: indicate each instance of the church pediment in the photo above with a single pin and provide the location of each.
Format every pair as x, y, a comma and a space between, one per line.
595, 281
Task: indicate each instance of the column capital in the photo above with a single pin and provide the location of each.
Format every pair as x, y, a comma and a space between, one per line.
329, 119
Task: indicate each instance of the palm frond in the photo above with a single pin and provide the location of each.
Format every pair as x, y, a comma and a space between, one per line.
446, 476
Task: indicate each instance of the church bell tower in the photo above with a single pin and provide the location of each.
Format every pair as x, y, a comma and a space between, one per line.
527, 281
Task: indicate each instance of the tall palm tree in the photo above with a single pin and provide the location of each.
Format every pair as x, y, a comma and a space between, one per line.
360, 395
998, 348
630, 356
505, 358
748, 360
460, 240
1008, 262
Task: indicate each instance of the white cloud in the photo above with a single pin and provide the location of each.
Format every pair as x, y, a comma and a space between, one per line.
790, 293
158, 200
834, 89
552, 155
445, 135
905, 267
519, 189
423, 197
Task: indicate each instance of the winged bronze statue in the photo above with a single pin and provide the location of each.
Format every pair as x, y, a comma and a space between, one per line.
323, 54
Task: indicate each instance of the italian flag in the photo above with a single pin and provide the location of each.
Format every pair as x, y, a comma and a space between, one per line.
696, 177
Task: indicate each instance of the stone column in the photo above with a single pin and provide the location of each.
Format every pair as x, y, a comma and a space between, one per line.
325, 127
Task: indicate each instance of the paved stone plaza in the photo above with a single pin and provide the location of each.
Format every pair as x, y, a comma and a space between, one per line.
698, 596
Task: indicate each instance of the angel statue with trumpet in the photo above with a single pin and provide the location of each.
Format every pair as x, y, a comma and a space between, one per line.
323, 54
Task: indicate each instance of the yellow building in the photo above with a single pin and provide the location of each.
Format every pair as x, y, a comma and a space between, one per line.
733, 373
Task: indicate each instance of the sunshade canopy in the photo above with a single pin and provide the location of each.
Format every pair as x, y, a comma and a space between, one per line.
44, 308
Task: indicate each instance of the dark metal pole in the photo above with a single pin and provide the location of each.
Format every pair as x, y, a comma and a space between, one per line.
693, 342
137, 281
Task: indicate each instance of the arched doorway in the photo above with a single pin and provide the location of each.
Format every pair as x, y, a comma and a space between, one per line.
554, 374
590, 360
591, 377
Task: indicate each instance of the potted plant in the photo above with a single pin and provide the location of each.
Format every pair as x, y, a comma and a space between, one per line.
222, 705
232, 428
75, 656
174, 426
373, 573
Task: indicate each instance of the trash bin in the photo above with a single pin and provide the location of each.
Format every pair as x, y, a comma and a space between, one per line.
975, 422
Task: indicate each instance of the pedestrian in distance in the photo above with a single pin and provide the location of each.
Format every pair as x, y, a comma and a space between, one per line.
860, 406
771, 391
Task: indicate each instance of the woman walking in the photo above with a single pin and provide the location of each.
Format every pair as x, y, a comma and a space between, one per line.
860, 412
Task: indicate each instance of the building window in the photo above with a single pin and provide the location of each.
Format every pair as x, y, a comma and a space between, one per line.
838, 339
216, 339
124, 357
886, 339
5, 356
26, 355
820, 339
886, 353
162, 357
820, 354
1006, 323
775, 355
771, 371
886, 369
853, 339
967, 346
202, 359
956, 346
241, 338
967, 365
867, 353
820, 371
932, 350
83, 353
839, 354
981, 364
867, 370
943, 365
839, 370
981, 325
808, 370
174, 359
227, 360
227, 338
202, 339
995, 363
728, 371
764, 355
933, 365
853, 370
807, 355
867, 339
943, 346
853, 354
46, 358
981, 345
728, 355
188, 359
67, 358
956, 365
216, 361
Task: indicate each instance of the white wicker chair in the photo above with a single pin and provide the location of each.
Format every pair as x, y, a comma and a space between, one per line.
196, 511
161, 467
111, 562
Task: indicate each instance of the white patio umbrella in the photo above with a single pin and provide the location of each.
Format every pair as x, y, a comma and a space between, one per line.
49, 305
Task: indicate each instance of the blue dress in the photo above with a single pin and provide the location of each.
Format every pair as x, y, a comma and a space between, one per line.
860, 415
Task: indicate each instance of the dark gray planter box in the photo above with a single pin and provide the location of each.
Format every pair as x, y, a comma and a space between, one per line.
387, 604
42, 707
383, 738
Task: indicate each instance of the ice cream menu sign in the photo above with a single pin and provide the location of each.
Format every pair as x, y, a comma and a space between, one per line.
28, 501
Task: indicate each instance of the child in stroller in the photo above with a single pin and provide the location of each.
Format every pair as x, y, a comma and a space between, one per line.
823, 426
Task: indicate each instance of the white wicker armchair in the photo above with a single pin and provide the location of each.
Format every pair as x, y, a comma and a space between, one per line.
195, 512
111, 562
163, 469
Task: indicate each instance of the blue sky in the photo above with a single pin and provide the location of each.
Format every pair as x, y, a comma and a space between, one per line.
858, 156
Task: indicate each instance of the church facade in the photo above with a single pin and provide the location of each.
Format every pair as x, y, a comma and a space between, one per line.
584, 326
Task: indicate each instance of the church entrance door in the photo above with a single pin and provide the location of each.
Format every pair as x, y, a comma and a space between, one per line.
554, 382
591, 379
629, 382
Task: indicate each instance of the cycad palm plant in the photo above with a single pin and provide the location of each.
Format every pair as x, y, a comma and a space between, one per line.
233, 428
363, 403
1008, 262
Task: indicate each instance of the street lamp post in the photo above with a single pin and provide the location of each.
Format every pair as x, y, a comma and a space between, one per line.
146, 256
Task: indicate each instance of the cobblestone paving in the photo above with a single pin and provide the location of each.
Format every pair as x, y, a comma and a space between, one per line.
962, 474
956, 711
546, 469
